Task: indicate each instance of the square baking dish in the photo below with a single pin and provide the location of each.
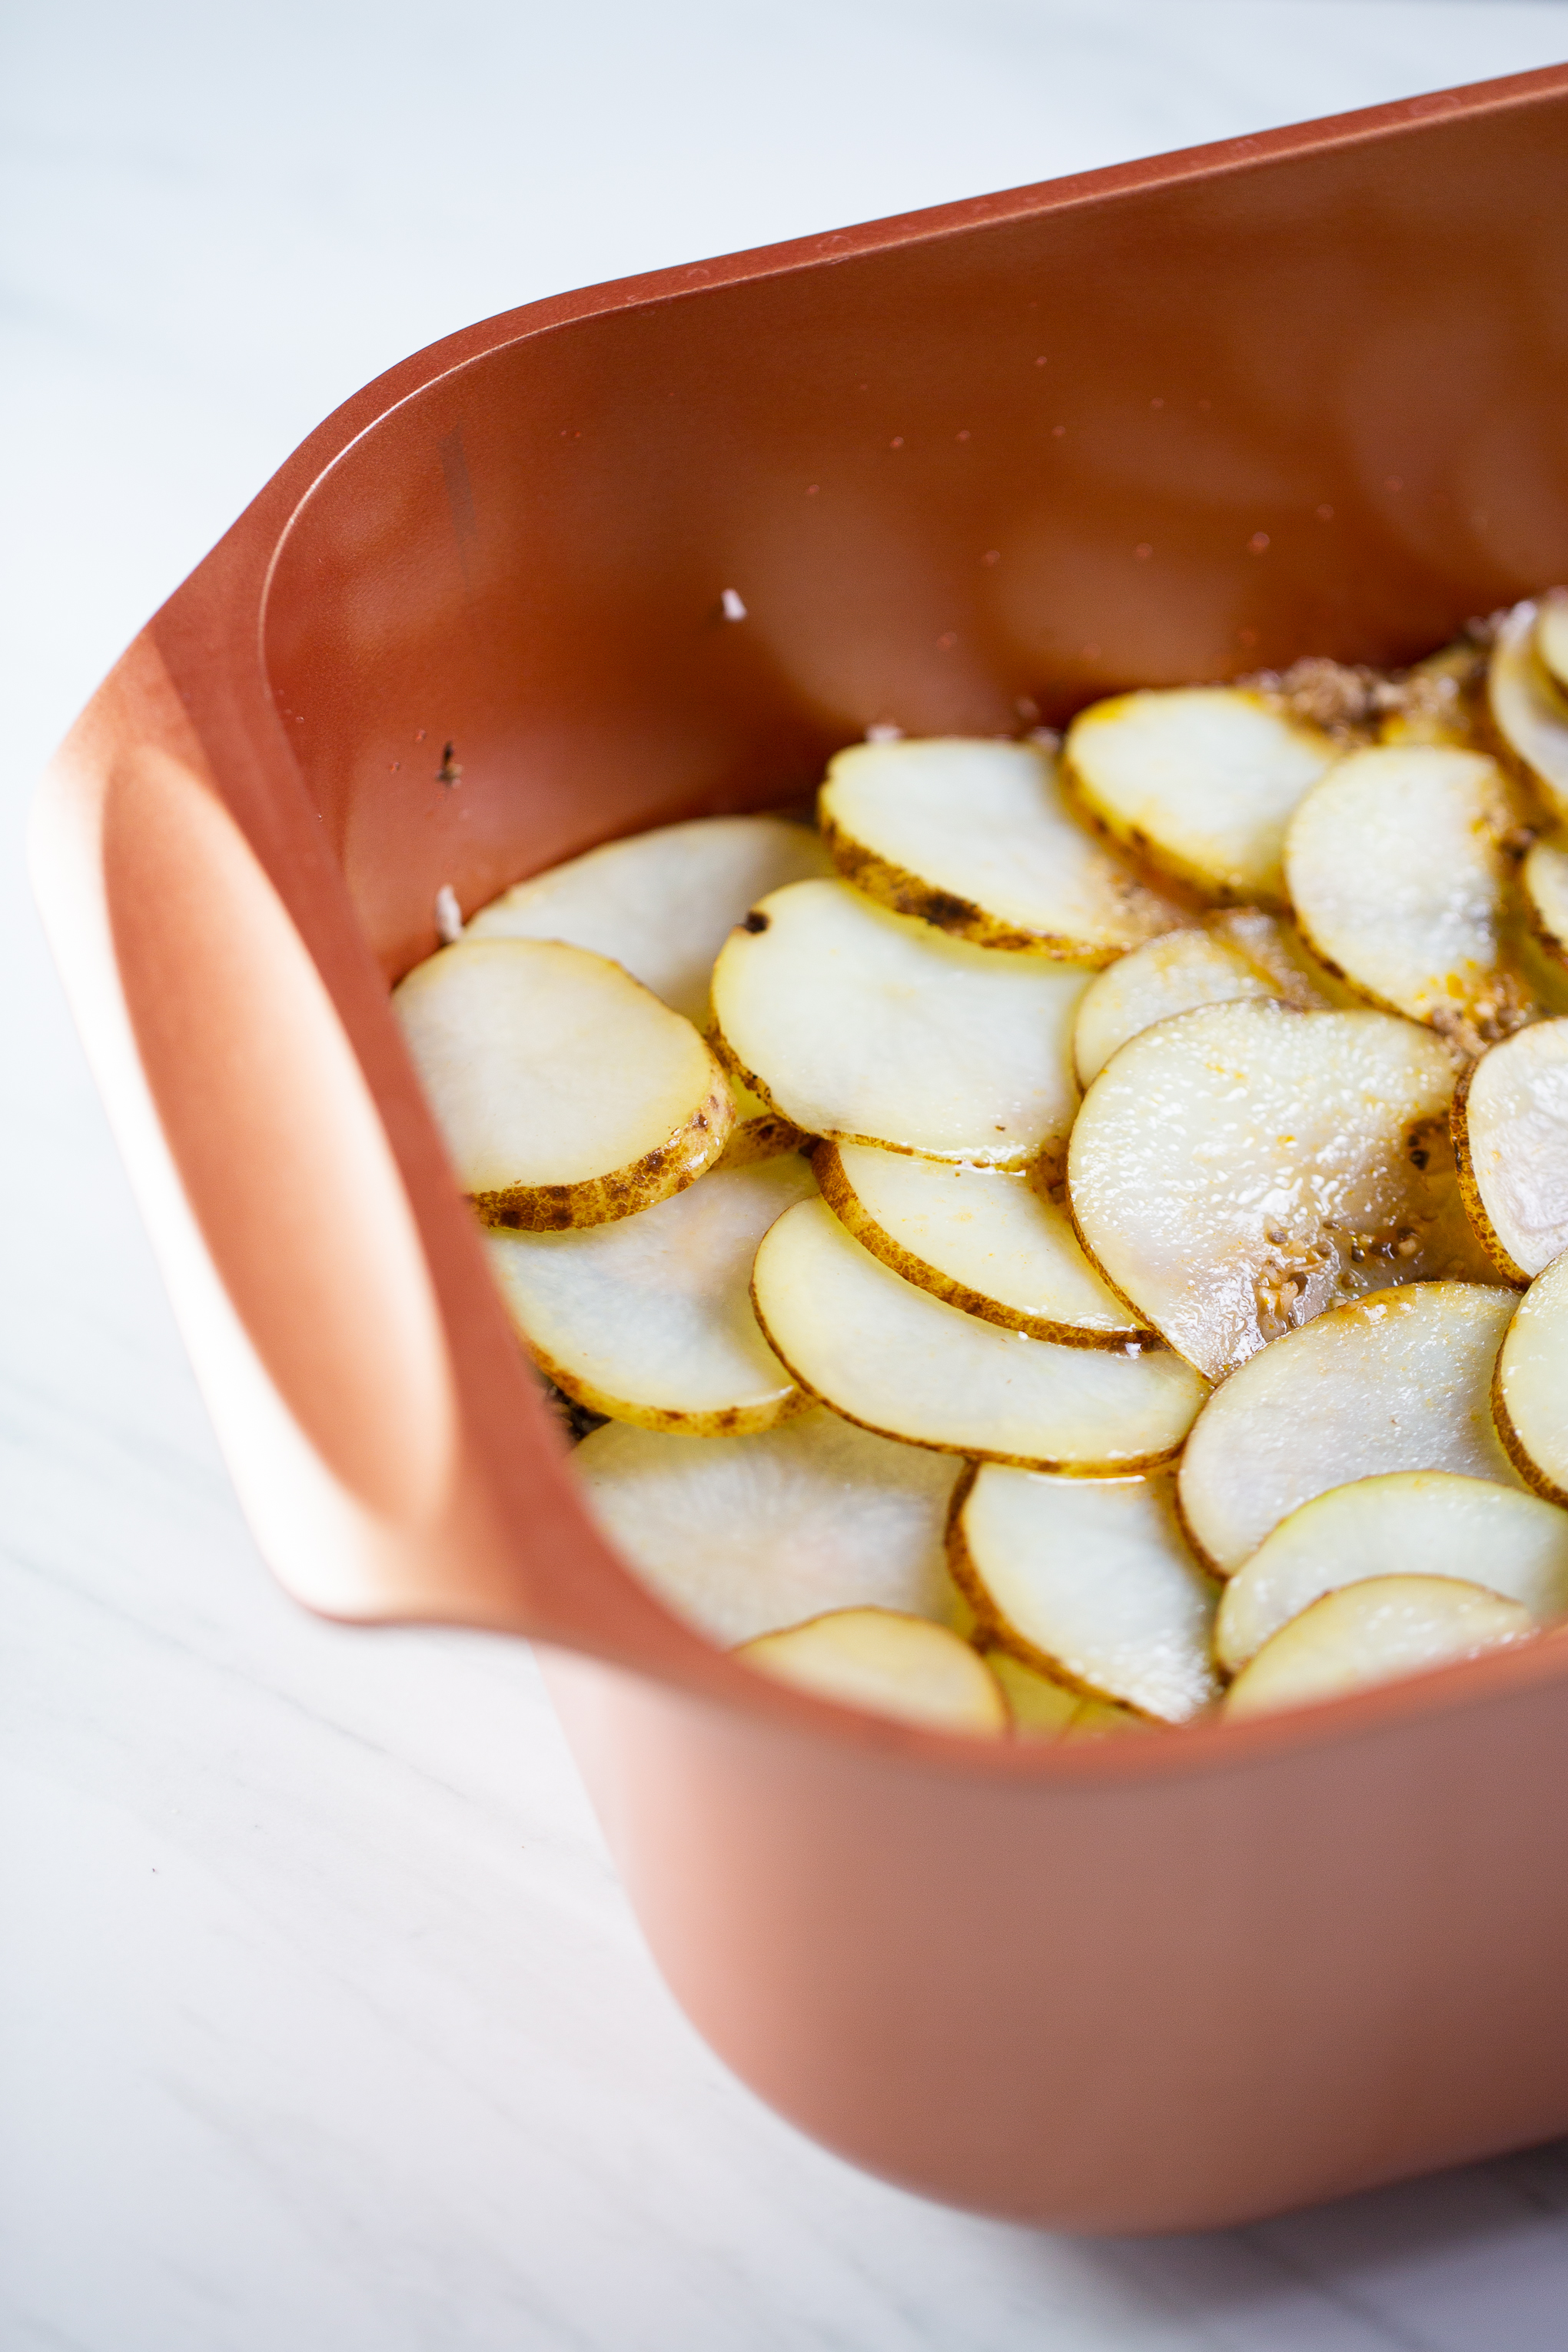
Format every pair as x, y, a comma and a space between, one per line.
966, 471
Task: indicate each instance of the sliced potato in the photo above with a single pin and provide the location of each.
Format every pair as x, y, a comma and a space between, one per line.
742, 1535
892, 1358
1529, 709
1240, 953
759, 1133
1544, 876
984, 1239
1091, 1579
1236, 1171
663, 903
651, 1320
1102, 1718
975, 837
1200, 779
870, 1027
1415, 1522
1530, 1394
1375, 1632
567, 1093
1397, 1383
1552, 636
1397, 870
1038, 1706
1436, 700
888, 1664
1511, 1130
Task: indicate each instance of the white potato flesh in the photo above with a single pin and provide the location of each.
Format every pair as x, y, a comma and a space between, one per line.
649, 1319
663, 903
1397, 1383
1530, 1397
1091, 1579
870, 1028
1552, 634
1237, 955
887, 1664
1236, 1171
975, 837
740, 1536
1202, 779
1375, 1632
567, 1093
1398, 876
1510, 1122
1413, 1522
1529, 709
1544, 877
984, 1239
892, 1358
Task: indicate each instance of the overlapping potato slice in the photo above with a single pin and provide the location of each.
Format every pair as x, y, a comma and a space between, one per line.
1202, 779
1511, 1130
1417, 1522
742, 1535
660, 903
1038, 1706
567, 1093
898, 1360
1092, 1580
649, 1319
1375, 1632
1529, 709
758, 1133
1530, 1393
870, 1028
1544, 877
1237, 954
1396, 1382
1240, 1169
1552, 636
890, 1665
975, 837
1397, 868
984, 1239
1437, 699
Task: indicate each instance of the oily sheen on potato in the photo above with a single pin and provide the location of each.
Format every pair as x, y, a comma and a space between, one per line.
1511, 1130
568, 1094
1237, 1170
870, 1028
1375, 1632
888, 1355
975, 837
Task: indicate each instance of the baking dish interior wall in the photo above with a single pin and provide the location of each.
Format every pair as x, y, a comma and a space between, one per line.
1169, 432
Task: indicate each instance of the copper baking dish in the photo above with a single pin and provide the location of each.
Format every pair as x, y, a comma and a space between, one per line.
1168, 422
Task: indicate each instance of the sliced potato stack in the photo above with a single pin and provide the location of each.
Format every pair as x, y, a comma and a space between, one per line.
1510, 1128
1398, 872
985, 1241
1375, 1632
975, 838
1397, 1383
888, 1355
1237, 1170
1240, 953
870, 1027
1202, 779
651, 1320
567, 1093
1529, 706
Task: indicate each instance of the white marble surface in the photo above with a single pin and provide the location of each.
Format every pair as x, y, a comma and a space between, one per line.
322, 2022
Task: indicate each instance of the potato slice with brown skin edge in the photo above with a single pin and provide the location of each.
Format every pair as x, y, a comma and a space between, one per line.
1237, 1170
1401, 1382
895, 1360
759, 1133
1091, 1581
887, 1664
1530, 1388
869, 1027
1528, 709
649, 1319
1237, 954
1038, 1707
740, 1536
1380, 1631
1545, 880
1426, 1522
661, 904
987, 1241
1552, 636
973, 837
1398, 871
568, 1094
1510, 1134
1200, 779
